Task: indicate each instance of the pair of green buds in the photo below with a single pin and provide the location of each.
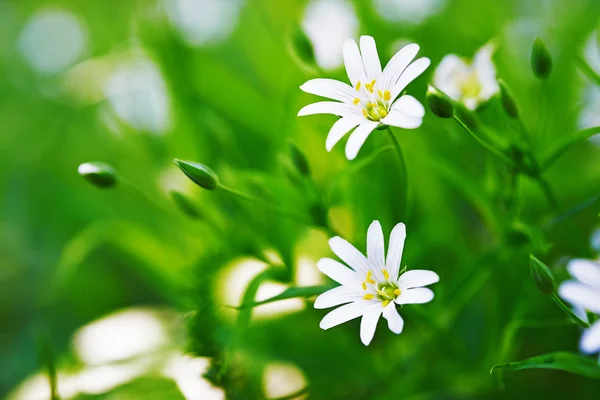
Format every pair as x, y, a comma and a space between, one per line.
541, 65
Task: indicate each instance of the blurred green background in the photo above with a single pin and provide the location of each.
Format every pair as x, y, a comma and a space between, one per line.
136, 83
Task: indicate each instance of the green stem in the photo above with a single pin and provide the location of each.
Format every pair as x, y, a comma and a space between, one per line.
483, 143
403, 173
248, 197
549, 193
566, 143
568, 311
588, 70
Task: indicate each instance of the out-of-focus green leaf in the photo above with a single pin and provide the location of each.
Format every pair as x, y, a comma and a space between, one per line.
565, 143
563, 361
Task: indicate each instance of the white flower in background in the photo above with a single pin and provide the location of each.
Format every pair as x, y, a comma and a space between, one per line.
371, 100
470, 84
371, 286
583, 292
409, 12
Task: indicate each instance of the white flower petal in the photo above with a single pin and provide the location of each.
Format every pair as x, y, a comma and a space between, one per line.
353, 62
395, 249
408, 105
580, 294
337, 271
337, 296
326, 107
586, 271
331, 89
343, 314
340, 128
395, 321
590, 340
397, 65
375, 248
349, 254
415, 296
368, 324
402, 120
411, 73
358, 137
370, 57
417, 278
450, 71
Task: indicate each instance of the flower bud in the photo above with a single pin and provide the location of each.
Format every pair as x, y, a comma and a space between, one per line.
184, 204
200, 174
541, 61
542, 276
299, 160
301, 47
98, 174
440, 103
508, 102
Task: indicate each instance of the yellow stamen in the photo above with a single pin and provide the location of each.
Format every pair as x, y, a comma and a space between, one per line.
365, 113
368, 297
380, 94
382, 114
358, 84
397, 292
373, 82
370, 105
356, 101
364, 285
387, 95
369, 277
385, 303
386, 275
369, 87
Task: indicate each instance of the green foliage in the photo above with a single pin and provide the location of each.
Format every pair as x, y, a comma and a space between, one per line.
563, 361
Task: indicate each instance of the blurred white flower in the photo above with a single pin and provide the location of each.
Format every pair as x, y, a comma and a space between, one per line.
281, 379
371, 100
470, 84
327, 24
372, 287
53, 40
138, 95
583, 292
411, 12
204, 22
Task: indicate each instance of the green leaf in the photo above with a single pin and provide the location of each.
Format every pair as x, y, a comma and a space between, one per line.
563, 361
306, 291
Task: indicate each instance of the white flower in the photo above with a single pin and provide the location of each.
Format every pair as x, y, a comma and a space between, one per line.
469, 84
371, 286
584, 294
371, 100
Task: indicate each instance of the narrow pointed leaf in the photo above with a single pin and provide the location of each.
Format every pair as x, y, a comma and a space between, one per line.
563, 361
293, 292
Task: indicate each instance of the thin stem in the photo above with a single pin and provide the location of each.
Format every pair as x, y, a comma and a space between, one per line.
568, 311
404, 171
272, 207
486, 145
566, 143
549, 193
588, 70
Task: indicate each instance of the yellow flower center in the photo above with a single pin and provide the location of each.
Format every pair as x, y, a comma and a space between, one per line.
375, 103
383, 291
470, 86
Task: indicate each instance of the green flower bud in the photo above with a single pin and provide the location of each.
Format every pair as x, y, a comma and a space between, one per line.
440, 103
301, 47
299, 160
542, 276
541, 61
186, 205
98, 174
200, 174
508, 102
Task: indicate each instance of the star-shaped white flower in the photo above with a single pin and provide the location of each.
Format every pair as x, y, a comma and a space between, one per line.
469, 84
371, 100
372, 287
583, 293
